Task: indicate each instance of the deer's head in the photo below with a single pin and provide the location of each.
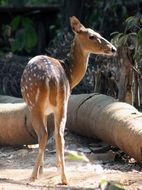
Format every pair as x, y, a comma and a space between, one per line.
89, 40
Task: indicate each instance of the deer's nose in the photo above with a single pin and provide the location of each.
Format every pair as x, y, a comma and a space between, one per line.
113, 49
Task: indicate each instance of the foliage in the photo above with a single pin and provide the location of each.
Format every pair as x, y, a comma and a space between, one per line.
131, 37
21, 34
129, 44
3, 2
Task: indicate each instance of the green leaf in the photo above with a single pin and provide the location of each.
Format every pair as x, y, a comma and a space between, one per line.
116, 39
15, 23
123, 40
114, 33
26, 22
75, 156
129, 20
30, 38
132, 34
110, 185
132, 22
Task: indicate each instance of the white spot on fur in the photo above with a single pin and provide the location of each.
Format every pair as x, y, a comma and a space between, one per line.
30, 103
37, 95
22, 89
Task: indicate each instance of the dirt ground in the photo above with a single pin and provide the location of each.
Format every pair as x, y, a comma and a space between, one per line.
96, 162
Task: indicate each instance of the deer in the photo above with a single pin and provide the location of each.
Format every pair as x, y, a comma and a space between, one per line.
46, 85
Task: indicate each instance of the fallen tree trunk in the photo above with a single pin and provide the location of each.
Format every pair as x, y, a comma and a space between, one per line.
15, 122
116, 123
91, 115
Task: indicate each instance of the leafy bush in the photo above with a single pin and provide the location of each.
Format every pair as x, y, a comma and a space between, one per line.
131, 37
20, 35
24, 34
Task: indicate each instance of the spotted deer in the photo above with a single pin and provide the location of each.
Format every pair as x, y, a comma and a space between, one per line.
46, 85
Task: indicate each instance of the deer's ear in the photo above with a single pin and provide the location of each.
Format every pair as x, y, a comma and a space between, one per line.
75, 24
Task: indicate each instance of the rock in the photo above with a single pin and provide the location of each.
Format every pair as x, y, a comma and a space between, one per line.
84, 150
22, 152
108, 156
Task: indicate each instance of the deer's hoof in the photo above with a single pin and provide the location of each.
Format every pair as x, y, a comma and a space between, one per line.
64, 181
32, 178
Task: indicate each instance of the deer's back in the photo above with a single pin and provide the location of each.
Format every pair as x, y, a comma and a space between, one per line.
44, 81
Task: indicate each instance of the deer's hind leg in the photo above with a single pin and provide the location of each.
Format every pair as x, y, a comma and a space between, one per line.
38, 122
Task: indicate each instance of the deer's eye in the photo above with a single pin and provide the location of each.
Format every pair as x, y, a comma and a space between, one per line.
91, 37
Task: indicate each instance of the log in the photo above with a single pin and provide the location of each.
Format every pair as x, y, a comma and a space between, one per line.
15, 122
90, 115
103, 117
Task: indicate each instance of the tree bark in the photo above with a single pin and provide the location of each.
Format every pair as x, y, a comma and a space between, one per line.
102, 117
125, 78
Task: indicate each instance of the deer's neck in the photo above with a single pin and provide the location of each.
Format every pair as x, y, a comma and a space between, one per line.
77, 64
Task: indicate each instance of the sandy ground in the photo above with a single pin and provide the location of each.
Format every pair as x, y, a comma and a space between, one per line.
16, 165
